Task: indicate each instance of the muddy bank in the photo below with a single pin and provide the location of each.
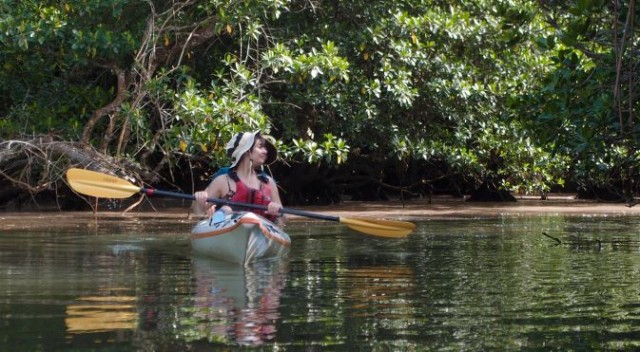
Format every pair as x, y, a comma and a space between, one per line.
180, 217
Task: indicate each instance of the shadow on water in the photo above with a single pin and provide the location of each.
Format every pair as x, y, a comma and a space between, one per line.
458, 284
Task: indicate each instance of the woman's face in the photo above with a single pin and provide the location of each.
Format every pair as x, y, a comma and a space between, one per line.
259, 152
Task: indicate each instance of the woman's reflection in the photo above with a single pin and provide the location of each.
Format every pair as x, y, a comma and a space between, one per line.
237, 304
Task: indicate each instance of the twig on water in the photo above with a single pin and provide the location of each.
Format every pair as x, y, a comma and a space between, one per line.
558, 242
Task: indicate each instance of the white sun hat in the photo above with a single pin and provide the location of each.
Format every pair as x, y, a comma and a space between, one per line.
242, 143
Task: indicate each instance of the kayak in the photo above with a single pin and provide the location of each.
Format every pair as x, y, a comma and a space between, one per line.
239, 237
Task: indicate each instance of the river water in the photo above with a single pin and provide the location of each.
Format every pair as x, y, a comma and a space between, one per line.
552, 282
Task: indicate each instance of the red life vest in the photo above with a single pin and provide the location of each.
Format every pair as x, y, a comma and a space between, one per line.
244, 194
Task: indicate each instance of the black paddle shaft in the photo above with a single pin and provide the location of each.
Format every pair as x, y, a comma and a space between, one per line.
155, 192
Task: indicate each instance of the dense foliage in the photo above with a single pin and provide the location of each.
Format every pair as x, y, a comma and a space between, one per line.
364, 98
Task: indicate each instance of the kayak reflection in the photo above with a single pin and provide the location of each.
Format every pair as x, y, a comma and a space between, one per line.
234, 303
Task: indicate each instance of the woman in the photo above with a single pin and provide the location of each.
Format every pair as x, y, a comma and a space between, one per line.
244, 182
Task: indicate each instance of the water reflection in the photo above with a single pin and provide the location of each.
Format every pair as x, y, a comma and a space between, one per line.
380, 286
101, 313
473, 284
234, 303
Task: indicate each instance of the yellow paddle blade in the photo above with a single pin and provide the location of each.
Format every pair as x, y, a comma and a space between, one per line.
380, 228
100, 185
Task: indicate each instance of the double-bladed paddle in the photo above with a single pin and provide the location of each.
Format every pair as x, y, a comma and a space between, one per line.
97, 184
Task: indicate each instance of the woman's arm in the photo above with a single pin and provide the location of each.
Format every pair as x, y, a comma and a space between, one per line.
216, 189
275, 205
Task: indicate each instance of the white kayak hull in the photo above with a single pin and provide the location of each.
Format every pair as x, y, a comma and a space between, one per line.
239, 237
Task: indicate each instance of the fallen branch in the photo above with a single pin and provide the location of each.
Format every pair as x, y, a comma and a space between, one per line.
558, 242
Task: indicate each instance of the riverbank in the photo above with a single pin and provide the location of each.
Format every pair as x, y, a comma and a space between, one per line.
178, 214
446, 207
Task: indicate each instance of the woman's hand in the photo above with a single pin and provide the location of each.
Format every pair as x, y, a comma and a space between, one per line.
209, 209
274, 208
202, 206
201, 197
